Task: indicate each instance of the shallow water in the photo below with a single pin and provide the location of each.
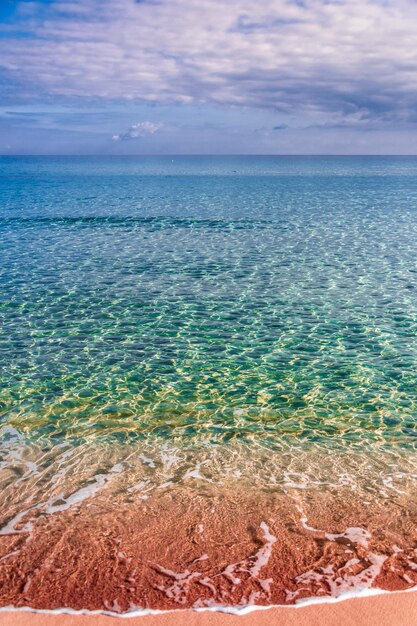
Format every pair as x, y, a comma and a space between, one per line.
253, 319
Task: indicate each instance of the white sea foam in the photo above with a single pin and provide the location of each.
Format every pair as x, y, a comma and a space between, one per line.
9, 528
229, 572
169, 456
7, 556
177, 591
345, 578
341, 580
195, 473
213, 607
100, 480
60, 502
263, 555
353, 534
146, 460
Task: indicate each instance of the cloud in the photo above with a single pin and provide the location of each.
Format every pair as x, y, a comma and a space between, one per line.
331, 61
141, 129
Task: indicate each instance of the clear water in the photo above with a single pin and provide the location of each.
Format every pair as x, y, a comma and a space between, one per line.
209, 299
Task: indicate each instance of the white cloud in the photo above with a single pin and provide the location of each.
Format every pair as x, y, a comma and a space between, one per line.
331, 60
141, 129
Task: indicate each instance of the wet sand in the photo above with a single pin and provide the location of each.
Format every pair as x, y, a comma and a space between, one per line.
394, 609
164, 532
184, 549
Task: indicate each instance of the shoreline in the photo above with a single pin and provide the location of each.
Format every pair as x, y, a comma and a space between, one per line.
103, 538
373, 609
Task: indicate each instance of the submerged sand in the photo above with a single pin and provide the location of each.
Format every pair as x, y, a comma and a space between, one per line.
124, 529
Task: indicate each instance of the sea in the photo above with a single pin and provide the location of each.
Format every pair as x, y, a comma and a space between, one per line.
208, 380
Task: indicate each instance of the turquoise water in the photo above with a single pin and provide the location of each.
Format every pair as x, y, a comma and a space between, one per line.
209, 298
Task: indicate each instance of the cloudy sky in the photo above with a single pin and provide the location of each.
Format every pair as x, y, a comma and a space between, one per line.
208, 76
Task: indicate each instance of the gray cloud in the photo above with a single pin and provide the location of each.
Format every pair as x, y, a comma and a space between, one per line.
349, 62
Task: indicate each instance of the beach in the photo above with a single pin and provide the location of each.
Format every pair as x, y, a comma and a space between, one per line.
215, 407
394, 609
114, 528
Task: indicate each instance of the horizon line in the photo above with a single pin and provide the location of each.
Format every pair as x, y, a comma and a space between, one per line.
207, 155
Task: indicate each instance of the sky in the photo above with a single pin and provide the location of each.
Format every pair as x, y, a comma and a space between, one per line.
208, 77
